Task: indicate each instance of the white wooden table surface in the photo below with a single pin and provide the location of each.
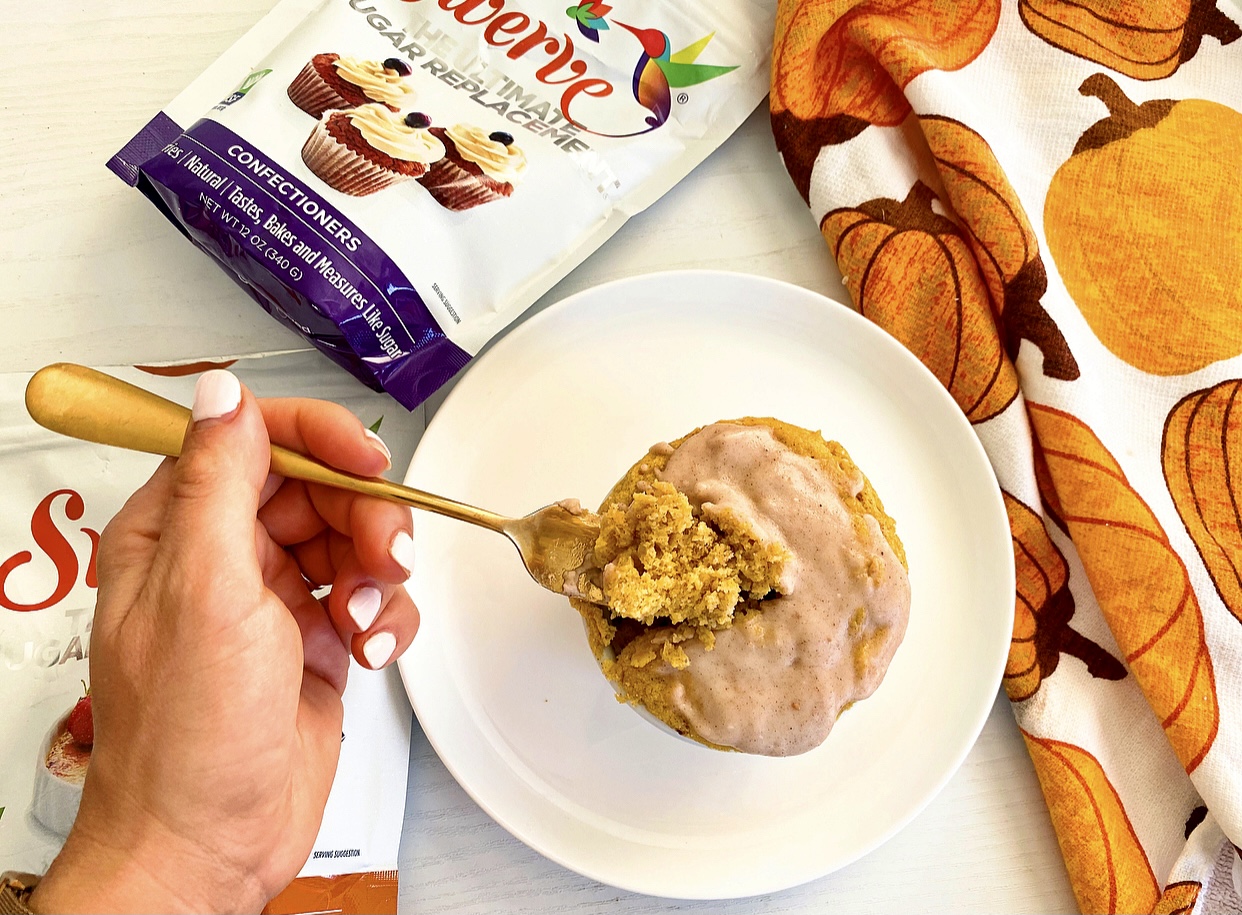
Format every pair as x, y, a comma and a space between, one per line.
93, 273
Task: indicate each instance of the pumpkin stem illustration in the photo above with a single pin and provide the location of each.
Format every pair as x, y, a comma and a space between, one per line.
917, 203
1206, 19
1054, 637
1124, 117
914, 212
1100, 664
1106, 90
1025, 318
1196, 817
800, 142
1051, 626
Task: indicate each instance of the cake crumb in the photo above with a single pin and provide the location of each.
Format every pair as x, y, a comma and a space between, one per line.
663, 562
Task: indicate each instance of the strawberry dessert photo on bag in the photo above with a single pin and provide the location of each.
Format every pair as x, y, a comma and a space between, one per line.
66, 753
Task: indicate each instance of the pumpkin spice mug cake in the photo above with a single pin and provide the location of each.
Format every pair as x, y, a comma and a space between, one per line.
747, 586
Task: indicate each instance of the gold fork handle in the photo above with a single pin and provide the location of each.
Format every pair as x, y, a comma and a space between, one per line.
85, 404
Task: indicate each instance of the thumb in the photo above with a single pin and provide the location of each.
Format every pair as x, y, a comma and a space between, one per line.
217, 481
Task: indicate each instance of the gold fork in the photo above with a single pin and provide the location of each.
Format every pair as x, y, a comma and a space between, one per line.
89, 405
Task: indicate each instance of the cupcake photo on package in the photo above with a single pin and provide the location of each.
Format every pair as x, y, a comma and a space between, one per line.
524, 125
478, 167
330, 81
369, 148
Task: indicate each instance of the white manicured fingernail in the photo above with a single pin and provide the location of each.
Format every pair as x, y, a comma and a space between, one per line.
378, 649
379, 445
364, 606
402, 550
217, 393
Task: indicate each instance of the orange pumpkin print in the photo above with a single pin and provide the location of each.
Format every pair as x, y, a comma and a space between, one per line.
1178, 898
1042, 611
1141, 40
911, 271
1048, 498
1144, 223
1139, 580
1001, 238
1106, 862
840, 65
1202, 456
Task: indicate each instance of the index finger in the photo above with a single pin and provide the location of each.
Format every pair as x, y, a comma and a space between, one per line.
326, 431
298, 512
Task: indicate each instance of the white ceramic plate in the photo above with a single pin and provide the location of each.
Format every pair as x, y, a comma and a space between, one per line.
501, 677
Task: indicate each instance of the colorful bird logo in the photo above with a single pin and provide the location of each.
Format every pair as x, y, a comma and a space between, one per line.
590, 18
660, 68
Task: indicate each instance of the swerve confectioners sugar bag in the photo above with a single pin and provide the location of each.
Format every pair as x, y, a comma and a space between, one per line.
398, 180
59, 493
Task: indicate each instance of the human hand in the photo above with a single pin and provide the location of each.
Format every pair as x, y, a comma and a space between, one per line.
216, 676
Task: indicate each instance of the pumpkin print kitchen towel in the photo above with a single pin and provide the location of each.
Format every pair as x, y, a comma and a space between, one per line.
1042, 199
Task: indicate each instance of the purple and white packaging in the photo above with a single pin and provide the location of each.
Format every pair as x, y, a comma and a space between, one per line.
478, 150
